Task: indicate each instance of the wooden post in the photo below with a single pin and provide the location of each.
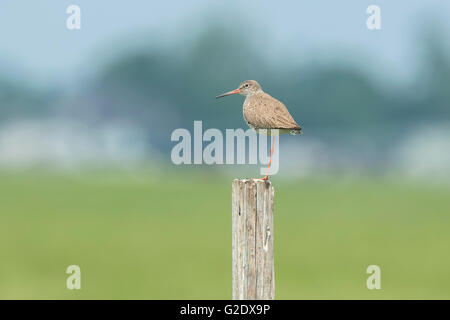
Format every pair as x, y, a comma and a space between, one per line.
253, 267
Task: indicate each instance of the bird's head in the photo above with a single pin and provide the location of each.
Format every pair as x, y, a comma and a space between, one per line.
246, 88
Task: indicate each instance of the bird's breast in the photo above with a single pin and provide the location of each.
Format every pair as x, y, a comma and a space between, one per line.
248, 111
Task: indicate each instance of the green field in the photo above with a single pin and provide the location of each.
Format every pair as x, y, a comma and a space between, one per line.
140, 236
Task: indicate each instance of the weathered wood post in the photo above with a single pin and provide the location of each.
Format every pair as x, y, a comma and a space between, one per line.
253, 267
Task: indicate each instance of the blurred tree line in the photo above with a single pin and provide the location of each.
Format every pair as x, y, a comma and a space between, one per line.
159, 90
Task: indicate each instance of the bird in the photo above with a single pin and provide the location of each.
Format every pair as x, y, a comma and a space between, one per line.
264, 112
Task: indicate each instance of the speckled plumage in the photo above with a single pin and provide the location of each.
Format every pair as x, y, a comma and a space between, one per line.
262, 111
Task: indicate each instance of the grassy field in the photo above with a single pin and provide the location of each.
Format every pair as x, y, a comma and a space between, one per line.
140, 236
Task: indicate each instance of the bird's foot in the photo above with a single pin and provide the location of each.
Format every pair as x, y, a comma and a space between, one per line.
263, 179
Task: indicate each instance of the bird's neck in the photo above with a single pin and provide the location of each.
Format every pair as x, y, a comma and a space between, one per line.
252, 94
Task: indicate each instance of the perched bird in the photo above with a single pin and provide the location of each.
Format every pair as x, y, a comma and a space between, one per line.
262, 111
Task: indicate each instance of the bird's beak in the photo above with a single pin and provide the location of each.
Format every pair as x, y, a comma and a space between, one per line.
229, 93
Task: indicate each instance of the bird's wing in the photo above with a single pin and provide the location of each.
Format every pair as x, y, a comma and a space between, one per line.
271, 113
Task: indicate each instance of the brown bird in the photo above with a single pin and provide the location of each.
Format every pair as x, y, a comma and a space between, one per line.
262, 111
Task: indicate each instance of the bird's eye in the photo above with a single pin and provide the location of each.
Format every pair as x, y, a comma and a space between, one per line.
246, 85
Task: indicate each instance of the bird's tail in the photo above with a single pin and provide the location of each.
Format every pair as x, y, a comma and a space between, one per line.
296, 131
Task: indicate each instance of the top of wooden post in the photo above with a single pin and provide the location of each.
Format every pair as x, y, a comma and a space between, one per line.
253, 181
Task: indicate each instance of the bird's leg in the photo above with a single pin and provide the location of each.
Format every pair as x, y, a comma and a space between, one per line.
266, 177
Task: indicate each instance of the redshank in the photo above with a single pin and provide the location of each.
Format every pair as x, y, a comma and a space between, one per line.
264, 112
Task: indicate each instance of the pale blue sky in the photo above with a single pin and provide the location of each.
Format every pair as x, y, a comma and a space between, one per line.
36, 44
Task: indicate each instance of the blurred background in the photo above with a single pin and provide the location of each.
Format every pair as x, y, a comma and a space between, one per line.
86, 117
